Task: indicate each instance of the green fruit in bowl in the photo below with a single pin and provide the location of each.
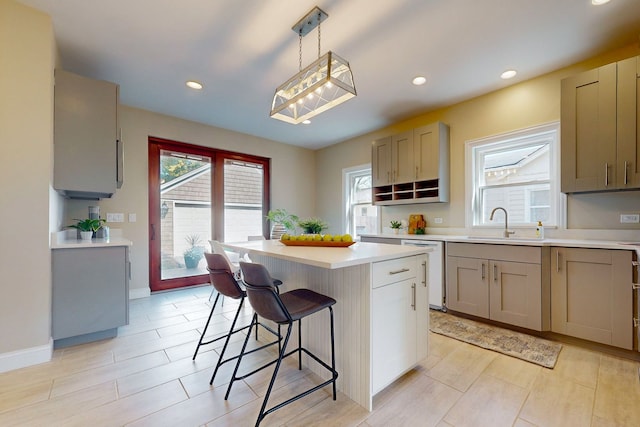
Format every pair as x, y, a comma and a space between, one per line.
293, 238
337, 238
327, 238
347, 238
285, 237
317, 238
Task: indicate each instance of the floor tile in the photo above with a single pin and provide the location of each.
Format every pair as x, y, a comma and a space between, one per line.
462, 367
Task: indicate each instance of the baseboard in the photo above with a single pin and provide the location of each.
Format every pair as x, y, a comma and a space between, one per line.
26, 357
139, 293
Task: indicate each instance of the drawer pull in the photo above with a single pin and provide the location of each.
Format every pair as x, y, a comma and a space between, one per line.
402, 270
424, 282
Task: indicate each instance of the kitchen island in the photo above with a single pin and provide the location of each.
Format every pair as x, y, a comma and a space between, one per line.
382, 310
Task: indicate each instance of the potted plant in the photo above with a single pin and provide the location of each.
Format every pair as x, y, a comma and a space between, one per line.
281, 222
194, 253
312, 225
395, 226
87, 227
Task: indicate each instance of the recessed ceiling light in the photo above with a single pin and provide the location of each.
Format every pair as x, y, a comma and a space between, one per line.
419, 80
194, 84
508, 74
306, 122
599, 2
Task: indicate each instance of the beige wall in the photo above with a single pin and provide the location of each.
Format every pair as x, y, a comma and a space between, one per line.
292, 176
522, 105
26, 132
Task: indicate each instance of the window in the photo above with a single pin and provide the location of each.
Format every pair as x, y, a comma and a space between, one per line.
517, 171
361, 216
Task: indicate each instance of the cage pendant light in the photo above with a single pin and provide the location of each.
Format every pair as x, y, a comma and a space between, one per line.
322, 85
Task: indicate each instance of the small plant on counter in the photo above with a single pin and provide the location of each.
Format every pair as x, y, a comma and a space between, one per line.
194, 253
395, 224
313, 225
88, 224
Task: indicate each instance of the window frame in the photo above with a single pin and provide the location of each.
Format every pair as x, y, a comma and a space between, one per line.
347, 175
473, 204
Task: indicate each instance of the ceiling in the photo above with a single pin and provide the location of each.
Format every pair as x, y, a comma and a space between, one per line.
242, 50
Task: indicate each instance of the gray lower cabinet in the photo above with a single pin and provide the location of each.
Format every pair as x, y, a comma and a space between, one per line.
90, 293
592, 295
504, 283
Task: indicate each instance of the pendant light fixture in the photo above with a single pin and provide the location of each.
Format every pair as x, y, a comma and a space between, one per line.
323, 84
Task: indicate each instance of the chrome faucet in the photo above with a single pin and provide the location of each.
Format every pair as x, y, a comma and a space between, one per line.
506, 232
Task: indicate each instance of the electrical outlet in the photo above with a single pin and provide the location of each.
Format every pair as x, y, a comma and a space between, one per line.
115, 217
629, 218
437, 220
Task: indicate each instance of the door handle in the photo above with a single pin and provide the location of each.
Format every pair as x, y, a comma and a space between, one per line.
153, 232
606, 174
495, 272
625, 172
424, 281
483, 273
413, 296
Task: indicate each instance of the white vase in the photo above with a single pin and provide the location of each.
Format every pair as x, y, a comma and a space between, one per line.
277, 230
86, 235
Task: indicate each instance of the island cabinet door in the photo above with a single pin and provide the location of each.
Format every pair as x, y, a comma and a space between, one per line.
394, 332
515, 295
468, 285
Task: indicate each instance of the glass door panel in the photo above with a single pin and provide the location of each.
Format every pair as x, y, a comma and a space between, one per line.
185, 213
243, 200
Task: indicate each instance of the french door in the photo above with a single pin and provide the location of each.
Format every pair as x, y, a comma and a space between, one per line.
198, 194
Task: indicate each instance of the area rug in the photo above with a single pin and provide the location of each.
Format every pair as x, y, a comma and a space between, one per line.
526, 347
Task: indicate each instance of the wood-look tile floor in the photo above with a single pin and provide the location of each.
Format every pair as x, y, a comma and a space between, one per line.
145, 377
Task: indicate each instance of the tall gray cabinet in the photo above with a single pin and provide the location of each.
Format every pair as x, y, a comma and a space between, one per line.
600, 116
88, 149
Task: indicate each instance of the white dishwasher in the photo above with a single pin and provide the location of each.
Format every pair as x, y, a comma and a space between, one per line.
435, 268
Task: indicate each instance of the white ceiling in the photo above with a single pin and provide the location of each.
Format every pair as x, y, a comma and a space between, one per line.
241, 50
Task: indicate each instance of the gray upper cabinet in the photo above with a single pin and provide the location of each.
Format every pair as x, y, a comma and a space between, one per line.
600, 137
412, 166
87, 147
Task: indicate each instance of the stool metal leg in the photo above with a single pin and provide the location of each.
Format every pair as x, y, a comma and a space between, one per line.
204, 332
226, 341
333, 352
254, 320
300, 344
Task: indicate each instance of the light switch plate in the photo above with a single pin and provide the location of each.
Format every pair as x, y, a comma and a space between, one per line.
437, 220
132, 217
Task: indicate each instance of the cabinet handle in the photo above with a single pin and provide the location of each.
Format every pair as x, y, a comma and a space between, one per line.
388, 177
495, 272
625, 172
416, 177
424, 281
483, 273
557, 261
153, 232
402, 270
606, 174
413, 296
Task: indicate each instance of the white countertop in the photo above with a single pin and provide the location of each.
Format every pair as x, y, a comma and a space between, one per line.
570, 243
327, 257
66, 240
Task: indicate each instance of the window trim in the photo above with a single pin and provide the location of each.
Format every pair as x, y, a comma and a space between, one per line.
471, 202
347, 173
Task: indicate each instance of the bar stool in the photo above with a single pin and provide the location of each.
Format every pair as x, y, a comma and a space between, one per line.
224, 282
283, 309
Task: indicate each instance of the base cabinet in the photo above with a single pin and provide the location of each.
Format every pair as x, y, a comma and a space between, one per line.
400, 318
592, 295
90, 293
499, 282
